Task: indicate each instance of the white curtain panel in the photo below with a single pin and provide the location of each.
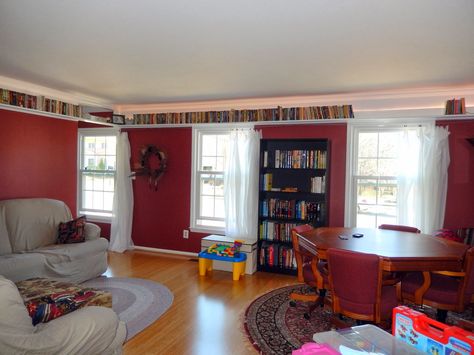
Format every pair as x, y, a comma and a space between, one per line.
121, 229
423, 180
241, 184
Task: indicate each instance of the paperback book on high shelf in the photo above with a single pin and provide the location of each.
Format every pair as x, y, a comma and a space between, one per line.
256, 115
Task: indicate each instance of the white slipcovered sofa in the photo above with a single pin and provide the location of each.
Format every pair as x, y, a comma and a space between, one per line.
89, 330
28, 232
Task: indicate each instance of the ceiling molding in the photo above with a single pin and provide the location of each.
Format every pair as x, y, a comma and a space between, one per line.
33, 89
429, 100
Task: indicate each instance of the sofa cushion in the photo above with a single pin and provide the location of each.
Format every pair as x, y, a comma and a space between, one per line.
33, 222
14, 317
22, 266
71, 231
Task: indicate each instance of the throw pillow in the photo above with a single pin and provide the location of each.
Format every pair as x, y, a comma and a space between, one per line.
72, 231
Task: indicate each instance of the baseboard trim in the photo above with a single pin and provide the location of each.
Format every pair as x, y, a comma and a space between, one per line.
166, 251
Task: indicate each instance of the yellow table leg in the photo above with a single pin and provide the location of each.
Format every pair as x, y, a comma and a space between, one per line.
204, 265
237, 270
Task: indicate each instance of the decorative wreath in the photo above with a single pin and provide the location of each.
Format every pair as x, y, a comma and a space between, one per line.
154, 174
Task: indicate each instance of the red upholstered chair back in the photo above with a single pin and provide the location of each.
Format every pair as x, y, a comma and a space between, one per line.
300, 255
356, 283
400, 228
469, 278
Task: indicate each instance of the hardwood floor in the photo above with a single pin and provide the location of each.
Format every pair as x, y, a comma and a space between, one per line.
206, 315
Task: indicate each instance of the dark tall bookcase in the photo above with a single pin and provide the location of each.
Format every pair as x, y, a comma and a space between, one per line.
293, 190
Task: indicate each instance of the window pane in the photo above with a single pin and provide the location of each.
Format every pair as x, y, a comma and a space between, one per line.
207, 184
87, 181
367, 167
367, 191
209, 145
222, 142
100, 145
219, 185
208, 163
108, 200
111, 144
220, 207
89, 162
220, 164
365, 220
207, 206
388, 167
388, 144
98, 200
98, 182
368, 145
110, 163
109, 183
100, 163
388, 192
87, 199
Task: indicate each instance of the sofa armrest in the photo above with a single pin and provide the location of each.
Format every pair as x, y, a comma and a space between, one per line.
91, 231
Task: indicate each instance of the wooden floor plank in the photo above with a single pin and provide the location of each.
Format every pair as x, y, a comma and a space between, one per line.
206, 315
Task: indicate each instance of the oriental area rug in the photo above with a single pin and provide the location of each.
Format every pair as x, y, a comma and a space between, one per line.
137, 302
274, 327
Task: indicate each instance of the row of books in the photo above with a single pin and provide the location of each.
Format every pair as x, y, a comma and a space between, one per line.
256, 115
296, 159
318, 184
290, 209
266, 183
276, 231
15, 98
455, 107
277, 255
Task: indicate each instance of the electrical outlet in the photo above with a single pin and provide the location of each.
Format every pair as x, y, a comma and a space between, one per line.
185, 234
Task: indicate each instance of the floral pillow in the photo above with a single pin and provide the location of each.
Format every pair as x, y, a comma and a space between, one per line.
72, 231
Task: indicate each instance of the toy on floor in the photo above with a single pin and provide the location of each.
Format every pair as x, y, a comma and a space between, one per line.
225, 250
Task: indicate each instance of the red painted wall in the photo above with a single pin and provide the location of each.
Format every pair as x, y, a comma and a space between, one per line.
337, 135
459, 202
160, 216
38, 157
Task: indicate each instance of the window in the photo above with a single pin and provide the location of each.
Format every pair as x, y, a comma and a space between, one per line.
209, 152
374, 187
97, 165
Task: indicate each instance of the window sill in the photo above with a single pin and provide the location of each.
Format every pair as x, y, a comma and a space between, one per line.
99, 219
207, 230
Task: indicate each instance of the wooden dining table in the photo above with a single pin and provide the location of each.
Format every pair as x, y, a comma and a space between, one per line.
400, 251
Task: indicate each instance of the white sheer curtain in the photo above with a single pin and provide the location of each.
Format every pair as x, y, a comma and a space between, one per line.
241, 184
121, 229
423, 180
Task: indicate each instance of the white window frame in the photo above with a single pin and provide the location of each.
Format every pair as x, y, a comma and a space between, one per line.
197, 135
353, 129
96, 216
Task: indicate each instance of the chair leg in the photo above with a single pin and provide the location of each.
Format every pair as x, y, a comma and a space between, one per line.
441, 315
318, 303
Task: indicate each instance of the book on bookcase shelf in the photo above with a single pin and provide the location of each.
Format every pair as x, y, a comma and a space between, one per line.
256, 115
292, 192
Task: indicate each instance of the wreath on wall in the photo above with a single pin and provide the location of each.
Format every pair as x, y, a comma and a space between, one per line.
151, 167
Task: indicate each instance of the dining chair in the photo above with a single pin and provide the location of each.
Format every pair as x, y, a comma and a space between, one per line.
395, 277
311, 270
444, 290
357, 290
400, 228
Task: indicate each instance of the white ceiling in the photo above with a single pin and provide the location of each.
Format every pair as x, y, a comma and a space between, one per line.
151, 51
